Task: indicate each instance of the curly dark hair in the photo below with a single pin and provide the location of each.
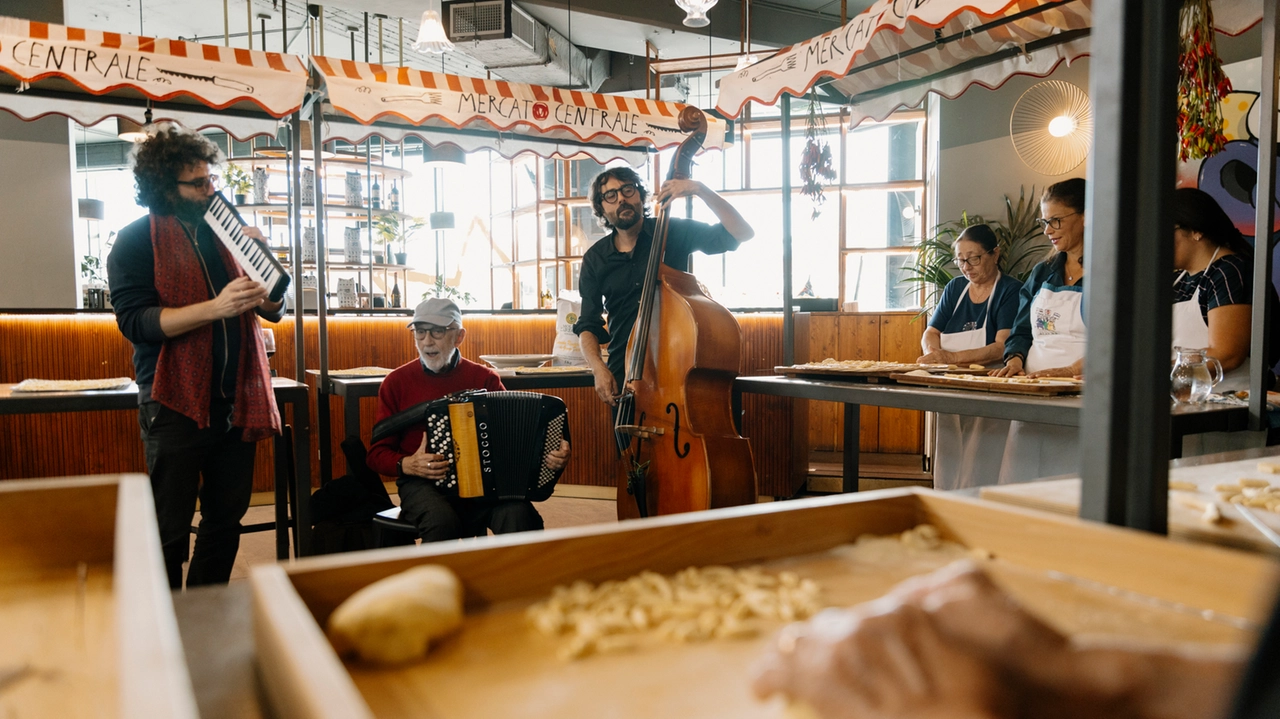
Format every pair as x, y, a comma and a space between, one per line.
159, 160
623, 175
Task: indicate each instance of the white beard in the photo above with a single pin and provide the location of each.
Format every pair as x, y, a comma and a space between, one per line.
438, 363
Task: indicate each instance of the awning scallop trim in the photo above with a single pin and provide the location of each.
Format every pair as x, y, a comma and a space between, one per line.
160, 69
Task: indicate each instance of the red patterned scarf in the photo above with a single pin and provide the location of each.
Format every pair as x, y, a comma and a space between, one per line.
184, 371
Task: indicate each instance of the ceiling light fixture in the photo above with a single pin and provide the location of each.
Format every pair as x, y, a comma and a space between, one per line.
431, 35
696, 11
131, 131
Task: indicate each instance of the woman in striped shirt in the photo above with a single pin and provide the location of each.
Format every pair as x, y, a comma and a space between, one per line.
1213, 290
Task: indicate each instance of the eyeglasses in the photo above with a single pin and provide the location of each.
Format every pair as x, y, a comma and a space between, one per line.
971, 260
201, 183
1054, 222
436, 332
628, 191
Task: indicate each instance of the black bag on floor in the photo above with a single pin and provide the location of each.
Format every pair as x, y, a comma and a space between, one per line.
343, 509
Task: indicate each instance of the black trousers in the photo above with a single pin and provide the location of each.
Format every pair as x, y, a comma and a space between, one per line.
439, 516
179, 454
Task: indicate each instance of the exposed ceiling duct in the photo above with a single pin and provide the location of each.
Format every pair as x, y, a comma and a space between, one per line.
516, 47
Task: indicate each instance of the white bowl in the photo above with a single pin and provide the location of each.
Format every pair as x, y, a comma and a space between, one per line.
512, 361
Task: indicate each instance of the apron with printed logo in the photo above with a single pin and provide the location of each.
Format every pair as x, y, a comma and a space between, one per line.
969, 449
1033, 451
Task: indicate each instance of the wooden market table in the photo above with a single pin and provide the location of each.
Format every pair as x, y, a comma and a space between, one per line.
287, 392
1063, 411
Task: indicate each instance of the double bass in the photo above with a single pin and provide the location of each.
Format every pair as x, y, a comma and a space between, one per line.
675, 426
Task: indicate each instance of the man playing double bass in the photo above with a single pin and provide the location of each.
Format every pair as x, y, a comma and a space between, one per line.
613, 269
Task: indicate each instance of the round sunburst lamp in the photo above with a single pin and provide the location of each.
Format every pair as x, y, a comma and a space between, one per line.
1052, 127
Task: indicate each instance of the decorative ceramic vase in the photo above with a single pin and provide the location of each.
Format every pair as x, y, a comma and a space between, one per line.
259, 185
309, 244
347, 298
308, 186
354, 251
354, 195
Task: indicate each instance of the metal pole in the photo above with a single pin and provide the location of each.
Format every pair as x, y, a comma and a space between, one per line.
1264, 222
1129, 260
295, 228
322, 308
788, 320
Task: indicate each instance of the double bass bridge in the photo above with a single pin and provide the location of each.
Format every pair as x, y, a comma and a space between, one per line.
640, 431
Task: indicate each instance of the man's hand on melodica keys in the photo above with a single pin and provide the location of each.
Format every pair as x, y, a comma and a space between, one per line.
239, 296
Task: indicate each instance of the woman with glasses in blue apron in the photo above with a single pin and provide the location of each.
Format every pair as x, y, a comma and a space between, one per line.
1048, 338
1213, 302
969, 326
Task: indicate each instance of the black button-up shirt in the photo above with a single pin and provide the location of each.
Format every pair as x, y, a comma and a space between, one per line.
611, 281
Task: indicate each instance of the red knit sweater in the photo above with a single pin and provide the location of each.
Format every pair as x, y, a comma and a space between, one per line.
410, 384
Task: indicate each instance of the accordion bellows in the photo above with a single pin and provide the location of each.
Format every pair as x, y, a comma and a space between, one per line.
496, 443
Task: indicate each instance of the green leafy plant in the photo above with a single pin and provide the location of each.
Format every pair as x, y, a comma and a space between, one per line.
94, 268
236, 179
453, 293
1022, 244
390, 230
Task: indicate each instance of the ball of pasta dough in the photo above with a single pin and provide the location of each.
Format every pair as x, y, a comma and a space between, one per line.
395, 619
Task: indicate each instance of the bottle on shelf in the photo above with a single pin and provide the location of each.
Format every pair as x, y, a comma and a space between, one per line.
375, 195
395, 294
394, 197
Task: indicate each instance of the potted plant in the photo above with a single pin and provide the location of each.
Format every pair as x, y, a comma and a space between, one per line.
1021, 241
444, 290
390, 230
237, 181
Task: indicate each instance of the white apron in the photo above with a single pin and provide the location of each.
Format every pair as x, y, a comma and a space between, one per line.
1190, 330
1034, 451
969, 449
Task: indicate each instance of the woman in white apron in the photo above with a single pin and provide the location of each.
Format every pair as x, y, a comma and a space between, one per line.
1212, 309
1048, 338
971, 330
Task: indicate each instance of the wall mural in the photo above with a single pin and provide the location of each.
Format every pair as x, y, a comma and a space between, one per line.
1231, 176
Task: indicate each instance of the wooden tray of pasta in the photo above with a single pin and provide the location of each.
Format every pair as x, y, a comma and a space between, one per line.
1083, 577
984, 383
88, 628
867, 369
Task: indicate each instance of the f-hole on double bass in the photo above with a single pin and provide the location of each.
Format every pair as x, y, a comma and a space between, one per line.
680, 447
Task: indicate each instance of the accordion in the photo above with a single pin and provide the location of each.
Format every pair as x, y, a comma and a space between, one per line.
496, 443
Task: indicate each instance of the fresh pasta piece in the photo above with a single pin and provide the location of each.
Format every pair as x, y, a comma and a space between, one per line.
1184, 486
1269, 466
1250, 482
395, 619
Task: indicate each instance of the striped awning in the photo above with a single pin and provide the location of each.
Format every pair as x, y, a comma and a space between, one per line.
894, 54
369, 93
54, 57
892, 42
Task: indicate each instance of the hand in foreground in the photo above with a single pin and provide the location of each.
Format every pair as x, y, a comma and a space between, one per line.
425, 464
1012, 368
881, 659
239, 296
937, 357
606, 385
254, 233
671, 189
559, 458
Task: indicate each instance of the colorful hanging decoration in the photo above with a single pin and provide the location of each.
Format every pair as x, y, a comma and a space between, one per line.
815, 161
1201, 84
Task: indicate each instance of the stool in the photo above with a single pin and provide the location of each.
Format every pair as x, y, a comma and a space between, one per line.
389, 530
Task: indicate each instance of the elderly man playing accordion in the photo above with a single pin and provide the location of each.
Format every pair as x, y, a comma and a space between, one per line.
441, 370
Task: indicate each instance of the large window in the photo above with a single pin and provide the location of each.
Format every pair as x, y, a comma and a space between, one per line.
852, 246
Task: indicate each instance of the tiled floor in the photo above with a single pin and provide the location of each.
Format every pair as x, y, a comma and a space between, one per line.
260, 547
